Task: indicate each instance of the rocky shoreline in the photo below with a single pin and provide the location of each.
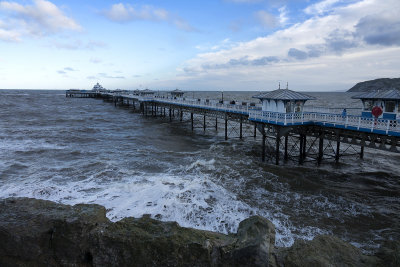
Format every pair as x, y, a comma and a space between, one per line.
43, 233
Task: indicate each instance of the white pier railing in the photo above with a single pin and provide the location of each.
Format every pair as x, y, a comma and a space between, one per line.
318, 116
333, 120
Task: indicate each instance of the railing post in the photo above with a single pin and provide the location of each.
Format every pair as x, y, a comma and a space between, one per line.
359, 123
226, 127
347, 121
387, 126
285, 118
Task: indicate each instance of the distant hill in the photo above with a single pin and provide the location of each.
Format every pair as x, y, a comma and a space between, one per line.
377, 84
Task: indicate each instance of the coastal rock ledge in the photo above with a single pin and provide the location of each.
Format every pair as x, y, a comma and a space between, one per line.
43, 233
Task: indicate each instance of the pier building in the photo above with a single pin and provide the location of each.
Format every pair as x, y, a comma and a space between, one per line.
288, 132
283, 101
387, 100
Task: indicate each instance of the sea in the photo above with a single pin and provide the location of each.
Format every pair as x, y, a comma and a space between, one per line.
84, 150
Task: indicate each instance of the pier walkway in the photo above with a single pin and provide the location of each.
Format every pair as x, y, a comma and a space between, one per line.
303, 136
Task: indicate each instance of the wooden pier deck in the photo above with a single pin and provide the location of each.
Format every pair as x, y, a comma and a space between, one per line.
301, 137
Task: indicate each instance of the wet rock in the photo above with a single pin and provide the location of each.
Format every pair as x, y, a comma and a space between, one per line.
325, 251
254, 245
389, 254
38, 232
43, 233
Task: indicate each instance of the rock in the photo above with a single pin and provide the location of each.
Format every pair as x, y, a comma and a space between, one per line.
377, 84
326, 251
38, 232
389, 253
255, 243
43, 233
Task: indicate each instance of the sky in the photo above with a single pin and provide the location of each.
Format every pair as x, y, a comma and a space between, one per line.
246, 45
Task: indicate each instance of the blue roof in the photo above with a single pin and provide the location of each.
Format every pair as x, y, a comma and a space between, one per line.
284, 94
392, 94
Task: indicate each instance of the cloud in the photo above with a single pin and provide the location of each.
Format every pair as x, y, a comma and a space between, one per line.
78, 44
297, 54
269, 20
321, 7
69, 69
266, 19
42, 18
123, 13
105, 75
239, 62
62, 72
95, 60
354, 32
91, 77
379, 30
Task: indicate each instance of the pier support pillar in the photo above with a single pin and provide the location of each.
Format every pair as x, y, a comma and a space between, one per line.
181, 115
226, 127
301, 157
204, 122
278, 140
170, 114
191, 119
362, 152
216, 123
263, 148
255, 130
241, 128
320, 148
337, 154
286, 156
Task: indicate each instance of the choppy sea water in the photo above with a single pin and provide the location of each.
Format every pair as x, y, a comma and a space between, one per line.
73, 150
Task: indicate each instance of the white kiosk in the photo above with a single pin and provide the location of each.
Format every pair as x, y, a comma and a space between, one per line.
283, 101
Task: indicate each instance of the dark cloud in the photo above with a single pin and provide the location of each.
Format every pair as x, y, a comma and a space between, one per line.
243, 61
297, 54
264, 61
315, 50
340, 40
379, 31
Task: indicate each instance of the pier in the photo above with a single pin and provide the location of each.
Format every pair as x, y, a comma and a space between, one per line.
288, 130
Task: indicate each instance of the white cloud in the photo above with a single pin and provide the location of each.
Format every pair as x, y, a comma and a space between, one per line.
321, 7
266, 19
352, 34
78, 44
39, 19
125, 13
95, 60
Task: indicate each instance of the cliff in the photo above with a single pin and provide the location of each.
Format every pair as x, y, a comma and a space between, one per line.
43, 233
377, 84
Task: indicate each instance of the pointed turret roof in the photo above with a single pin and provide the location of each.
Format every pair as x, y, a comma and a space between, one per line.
284, 94
393, 94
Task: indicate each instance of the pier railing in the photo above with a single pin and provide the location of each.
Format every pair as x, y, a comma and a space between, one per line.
208, 104
332, 120
319, 115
